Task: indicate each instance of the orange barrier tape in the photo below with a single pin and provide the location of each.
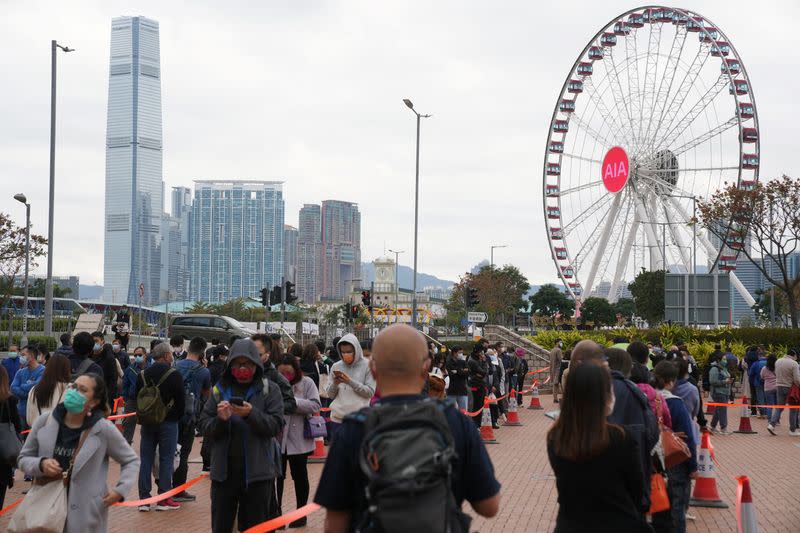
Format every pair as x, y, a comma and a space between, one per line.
275, 523
325, 409
537, 371
163, 495
4, 510
718, 404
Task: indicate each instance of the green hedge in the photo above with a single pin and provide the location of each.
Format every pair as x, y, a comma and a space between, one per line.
50, 342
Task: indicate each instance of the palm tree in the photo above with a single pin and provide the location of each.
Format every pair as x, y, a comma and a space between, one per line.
201, 308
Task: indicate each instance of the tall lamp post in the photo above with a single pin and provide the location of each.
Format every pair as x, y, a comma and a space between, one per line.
396, 280
22, 199
416, 217
48, 288
491, 253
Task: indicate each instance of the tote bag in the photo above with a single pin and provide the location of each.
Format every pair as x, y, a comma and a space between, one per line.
675, 449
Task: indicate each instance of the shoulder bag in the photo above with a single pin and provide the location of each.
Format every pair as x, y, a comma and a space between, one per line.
10, 443
45, 507
675, 449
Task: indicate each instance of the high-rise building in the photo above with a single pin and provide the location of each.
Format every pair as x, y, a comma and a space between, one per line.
170, 259
182, 211
755, 282
341, 248
134, 201
290, 253
309, 239
236, 238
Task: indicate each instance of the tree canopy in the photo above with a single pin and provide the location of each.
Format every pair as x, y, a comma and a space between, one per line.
501, 293
12, 254
551, 301
599, 311
647, 289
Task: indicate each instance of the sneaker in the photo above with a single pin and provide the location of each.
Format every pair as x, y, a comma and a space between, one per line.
690, 517
795, 433
725, 432
144, 508
771, 428
167, 505
184, 497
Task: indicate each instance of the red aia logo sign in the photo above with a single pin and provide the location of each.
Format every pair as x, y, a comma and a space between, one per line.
615, 169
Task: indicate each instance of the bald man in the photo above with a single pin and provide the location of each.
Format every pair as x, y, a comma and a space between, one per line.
399, 363
585, 350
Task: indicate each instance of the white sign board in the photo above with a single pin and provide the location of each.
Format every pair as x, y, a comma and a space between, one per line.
474, 316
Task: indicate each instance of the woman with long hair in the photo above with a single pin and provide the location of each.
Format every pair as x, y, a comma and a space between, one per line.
598, 472
309, 362
77, 426
770, 384
295, 446
49, 392
8, 413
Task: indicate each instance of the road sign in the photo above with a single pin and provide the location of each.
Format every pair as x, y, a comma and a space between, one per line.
474, 316
615, 169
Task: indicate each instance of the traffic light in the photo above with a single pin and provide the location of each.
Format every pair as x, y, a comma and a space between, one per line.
472, 297
366, 298
264, 296
275, 295
290, 297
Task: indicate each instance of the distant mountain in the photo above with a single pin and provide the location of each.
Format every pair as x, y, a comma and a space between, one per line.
90, 292
406, 278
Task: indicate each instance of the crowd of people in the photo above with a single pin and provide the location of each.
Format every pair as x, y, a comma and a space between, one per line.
394, 411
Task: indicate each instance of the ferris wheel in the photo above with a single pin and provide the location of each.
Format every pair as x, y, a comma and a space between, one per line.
656, 112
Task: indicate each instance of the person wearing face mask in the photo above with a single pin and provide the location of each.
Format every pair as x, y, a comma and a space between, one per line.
352, 385
269, 352
521, 366
26, 378
77, 427
720, 380
585, 449
121, 354
163, 435
295, 446
457, 370
129, 378
176, 343
555, 368
11, 363
241, 419
103, 355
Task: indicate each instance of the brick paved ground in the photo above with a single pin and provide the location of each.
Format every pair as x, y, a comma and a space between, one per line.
529, 497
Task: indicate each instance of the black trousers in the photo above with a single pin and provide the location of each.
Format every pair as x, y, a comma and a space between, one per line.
478, 395
231, 498
299, 466
186, 440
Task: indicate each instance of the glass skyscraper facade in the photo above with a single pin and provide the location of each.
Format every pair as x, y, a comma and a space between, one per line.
237, 233
134, 188
309, 246
341, 248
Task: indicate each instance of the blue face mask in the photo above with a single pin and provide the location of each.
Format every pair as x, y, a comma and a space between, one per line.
98, 347
139, 359
74, 401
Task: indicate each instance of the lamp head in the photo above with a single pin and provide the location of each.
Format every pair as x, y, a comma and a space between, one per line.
21, 198
408, 103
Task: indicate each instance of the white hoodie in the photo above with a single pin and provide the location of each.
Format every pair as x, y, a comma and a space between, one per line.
350, 397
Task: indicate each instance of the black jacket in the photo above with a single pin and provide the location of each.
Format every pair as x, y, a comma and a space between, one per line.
289, 403
459, 373
640, 373
309, 369
477, 371
171, 389
108, 364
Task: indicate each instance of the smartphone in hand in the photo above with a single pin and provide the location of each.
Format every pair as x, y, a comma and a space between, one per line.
237, 400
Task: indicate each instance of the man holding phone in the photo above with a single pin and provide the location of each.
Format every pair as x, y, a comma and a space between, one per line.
352, 385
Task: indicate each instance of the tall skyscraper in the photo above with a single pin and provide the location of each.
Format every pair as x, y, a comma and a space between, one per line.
236, 239
290, 253
182, 211
341, 248
134, 201
170, 237
309, 238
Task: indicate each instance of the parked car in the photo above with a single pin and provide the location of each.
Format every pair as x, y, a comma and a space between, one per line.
208, 326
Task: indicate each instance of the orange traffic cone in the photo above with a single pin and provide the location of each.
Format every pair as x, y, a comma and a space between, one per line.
744, 420
745, 510
319, 454
535, 403
705, 488
512, 418
487, 432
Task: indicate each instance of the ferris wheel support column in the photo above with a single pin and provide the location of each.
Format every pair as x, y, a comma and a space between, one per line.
622, 262
601, 246
655, 261
678, 239
712, 252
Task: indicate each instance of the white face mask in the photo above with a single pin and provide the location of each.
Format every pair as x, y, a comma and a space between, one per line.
462, 357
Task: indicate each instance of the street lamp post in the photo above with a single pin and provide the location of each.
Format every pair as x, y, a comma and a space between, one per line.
491, 253
48, 288
416, 217
22, 199
396, 281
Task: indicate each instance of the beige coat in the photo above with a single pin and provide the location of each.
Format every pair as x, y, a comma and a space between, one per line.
34, 411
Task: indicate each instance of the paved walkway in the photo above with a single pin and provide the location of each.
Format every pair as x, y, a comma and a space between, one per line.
530, 501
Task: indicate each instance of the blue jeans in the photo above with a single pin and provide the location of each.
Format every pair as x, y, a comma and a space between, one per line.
679, 487
462, 402
761, 400
165, 436
720, 413
770, 398
783, 393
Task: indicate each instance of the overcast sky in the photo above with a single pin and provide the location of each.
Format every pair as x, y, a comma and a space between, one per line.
311, 93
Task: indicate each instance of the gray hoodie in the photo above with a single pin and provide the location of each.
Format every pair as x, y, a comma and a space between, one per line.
350, 397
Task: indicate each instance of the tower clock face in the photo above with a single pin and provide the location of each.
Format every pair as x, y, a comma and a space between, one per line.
383, 274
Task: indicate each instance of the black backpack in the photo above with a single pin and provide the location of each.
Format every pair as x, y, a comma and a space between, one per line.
406, 456
189, 399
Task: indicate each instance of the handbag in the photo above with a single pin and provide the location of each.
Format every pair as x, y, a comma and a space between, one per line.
794, 395
659, 498
675, 449
45, 507
10, 443
314, 427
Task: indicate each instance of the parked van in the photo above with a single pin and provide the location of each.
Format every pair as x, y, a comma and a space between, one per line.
208, 326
